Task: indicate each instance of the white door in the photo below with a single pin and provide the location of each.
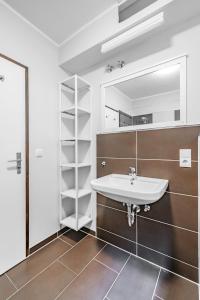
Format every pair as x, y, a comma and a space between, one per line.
12, 184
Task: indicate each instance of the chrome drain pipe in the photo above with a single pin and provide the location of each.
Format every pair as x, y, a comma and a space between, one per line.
132, 209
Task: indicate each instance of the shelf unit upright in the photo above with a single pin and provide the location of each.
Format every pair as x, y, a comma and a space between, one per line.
75, 153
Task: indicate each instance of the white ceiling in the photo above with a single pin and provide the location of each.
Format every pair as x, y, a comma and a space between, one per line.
150, 84
59, 19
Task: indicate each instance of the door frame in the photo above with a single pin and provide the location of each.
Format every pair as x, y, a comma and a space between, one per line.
26, 145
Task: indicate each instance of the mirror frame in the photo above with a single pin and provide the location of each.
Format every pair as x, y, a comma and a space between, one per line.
182, 60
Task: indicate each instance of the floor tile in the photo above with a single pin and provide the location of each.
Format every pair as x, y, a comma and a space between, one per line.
172, 287
26, 270
47, 285
92, 284
136, 282
6, 288
113, 257
72, 237
82, 254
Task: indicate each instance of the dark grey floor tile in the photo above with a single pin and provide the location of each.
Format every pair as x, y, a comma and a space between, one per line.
113, 257
92, 284
72, 237
30, 267
6, 287
136, 282
47, 285
77, 258
172, 287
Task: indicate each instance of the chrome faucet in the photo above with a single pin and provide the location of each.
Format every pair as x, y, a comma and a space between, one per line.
132, 174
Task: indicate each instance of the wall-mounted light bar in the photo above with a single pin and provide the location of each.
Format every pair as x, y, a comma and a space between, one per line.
133, 33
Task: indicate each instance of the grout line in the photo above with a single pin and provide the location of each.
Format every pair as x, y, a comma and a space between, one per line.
154, 220
134, 242
181, 194
63, 232
136, 151
114, 245
11, 281
145, 159
107, 157
117, 277
72, 247
57, 237
112, 208
156, 284
105, 266
168, 256
154, 264
43, 270
66, 267
136, 233
149, 249
164, 159
167, 224
78, 274
65, 242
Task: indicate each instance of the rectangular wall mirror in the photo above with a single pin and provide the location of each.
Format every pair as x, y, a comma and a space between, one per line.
154, 97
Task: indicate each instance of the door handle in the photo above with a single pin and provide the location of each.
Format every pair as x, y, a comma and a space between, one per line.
18, 162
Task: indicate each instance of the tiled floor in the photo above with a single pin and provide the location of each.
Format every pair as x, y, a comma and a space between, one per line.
78, 266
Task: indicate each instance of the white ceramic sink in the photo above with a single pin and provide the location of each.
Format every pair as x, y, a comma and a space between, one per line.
143, 191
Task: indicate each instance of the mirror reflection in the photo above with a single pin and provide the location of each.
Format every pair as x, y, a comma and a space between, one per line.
151, 98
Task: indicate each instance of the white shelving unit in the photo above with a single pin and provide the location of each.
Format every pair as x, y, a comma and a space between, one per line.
75, 153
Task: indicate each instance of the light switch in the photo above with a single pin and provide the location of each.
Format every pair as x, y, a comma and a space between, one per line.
185, 159
39, 153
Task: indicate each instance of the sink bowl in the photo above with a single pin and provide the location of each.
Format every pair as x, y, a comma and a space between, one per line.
143, 191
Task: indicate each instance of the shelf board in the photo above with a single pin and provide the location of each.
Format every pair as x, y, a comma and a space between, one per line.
72, 193
69, 166
68, 142
70, 221
70, 83
73, 139
71, 112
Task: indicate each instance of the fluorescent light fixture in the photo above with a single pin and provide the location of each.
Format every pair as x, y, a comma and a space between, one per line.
168, 71
133, 33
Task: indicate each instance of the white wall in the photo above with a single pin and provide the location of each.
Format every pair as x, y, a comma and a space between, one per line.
22, 43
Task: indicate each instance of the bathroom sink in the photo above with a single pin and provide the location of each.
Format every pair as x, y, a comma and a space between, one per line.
142, 191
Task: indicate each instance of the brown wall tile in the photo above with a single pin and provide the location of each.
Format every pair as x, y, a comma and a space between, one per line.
117, 145
169, 263
175, 209
115, 166
177, 243
165, 143
115, 221
116, 240
110, 203
181, 180
158, 155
